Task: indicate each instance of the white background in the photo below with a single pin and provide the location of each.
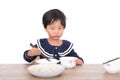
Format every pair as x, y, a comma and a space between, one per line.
92, 25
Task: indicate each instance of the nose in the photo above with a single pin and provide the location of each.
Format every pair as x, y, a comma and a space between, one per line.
55, 31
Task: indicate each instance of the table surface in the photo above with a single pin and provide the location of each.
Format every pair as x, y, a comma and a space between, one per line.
84, 72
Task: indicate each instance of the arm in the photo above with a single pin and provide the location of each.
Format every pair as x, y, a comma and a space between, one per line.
28, 58
30, 55
79, 61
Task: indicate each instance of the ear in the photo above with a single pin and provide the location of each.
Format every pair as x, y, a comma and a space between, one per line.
45, 29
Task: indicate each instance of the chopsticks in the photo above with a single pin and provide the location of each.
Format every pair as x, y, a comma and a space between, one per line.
111, 60
41, 53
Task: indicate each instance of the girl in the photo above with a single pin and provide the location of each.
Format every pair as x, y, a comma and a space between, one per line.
54, 22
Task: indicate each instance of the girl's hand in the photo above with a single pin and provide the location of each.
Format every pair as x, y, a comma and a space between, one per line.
79, 62
34, 52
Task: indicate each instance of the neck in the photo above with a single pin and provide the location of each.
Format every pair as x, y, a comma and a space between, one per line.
56, 42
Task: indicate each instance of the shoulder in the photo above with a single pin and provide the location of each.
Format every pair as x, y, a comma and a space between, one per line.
67, 44
43, 40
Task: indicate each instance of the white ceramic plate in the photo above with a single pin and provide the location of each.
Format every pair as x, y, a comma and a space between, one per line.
55, 61
46, 70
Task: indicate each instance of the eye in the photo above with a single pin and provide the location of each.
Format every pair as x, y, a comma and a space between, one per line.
52, 28
60, 28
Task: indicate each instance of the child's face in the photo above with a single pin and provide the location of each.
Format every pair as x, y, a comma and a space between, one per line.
55, 30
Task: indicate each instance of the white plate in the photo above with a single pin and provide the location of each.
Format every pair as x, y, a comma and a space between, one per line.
55, 61
46, 70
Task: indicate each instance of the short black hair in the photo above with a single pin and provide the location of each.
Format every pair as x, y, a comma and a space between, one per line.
53, 15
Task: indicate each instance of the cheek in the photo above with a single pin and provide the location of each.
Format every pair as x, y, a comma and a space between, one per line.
62, 32
49, 33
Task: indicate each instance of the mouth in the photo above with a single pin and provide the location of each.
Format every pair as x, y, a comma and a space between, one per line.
56, 36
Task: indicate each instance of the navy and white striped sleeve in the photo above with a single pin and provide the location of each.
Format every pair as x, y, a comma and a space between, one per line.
27, 58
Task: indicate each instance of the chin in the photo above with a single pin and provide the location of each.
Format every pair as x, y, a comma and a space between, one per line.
56, 38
